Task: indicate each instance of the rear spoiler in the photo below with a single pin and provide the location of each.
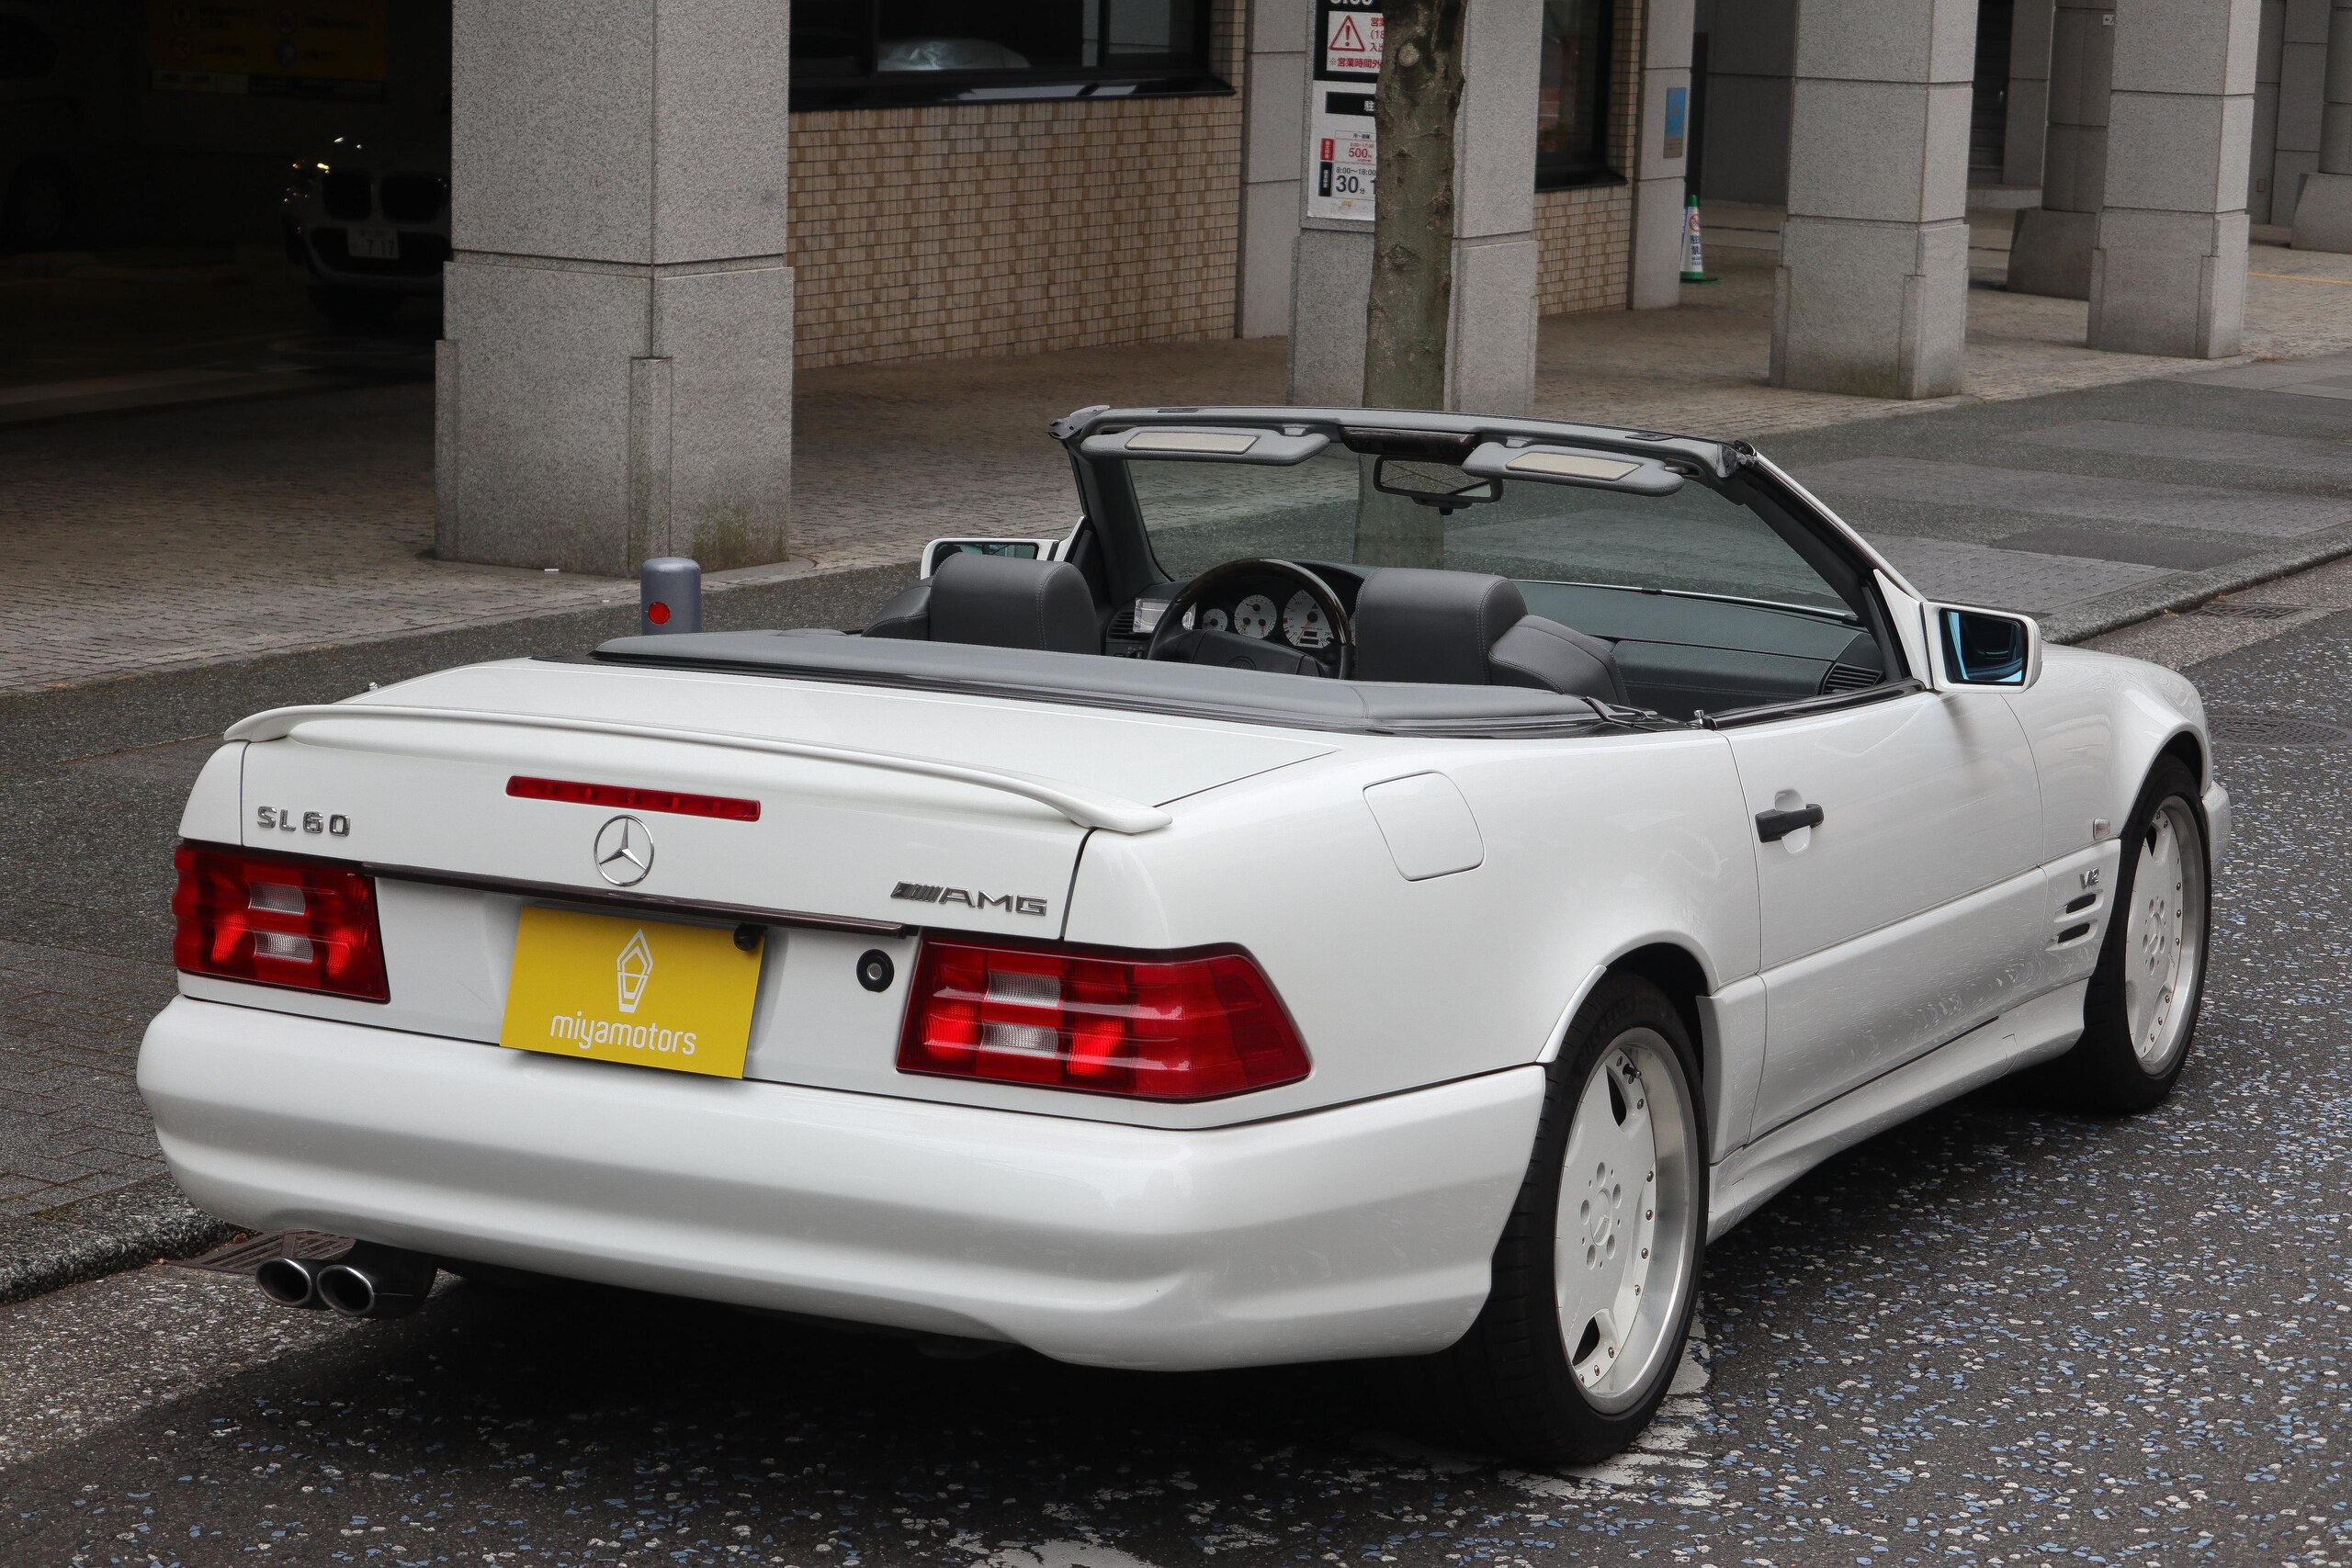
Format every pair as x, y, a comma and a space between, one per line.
1086, 807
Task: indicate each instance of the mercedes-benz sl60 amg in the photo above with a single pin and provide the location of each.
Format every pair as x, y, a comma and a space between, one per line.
1384, 886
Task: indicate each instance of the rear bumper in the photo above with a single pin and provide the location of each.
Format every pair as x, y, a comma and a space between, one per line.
1360, 1231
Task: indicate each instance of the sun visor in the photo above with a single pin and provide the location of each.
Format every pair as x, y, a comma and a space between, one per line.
1573, 465
1206, 443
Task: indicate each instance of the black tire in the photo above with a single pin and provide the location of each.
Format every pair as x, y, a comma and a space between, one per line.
2105, 1074
358, 310
1510, 1387
38, 214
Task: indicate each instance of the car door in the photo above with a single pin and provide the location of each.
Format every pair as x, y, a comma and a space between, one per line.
1912, 912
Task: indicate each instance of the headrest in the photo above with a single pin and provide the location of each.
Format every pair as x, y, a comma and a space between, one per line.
1418, 624
1005, 602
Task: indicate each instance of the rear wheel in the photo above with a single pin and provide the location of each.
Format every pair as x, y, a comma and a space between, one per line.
2145, 995
1596, 1274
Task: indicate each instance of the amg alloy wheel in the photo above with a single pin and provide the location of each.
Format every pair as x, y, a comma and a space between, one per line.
1625, 1191
2142, 1009
1597, 1269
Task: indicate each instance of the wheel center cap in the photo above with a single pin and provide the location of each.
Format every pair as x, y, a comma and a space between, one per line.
1597, 1217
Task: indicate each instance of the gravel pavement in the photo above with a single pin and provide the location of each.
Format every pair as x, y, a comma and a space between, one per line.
1997, 1336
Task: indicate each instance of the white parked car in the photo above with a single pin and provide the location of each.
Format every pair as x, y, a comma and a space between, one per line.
367, 223
1386, 885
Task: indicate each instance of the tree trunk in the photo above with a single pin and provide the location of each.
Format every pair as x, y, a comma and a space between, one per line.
1412, 269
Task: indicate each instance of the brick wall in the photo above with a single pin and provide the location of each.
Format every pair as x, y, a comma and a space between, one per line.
995, 229
1585, 237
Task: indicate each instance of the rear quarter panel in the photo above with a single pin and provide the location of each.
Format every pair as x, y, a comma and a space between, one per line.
1593, 847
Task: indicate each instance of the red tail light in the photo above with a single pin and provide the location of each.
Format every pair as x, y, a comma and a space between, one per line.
1191, 1026
277, 920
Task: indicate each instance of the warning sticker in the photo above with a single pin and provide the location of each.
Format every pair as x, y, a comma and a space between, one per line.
1351, 43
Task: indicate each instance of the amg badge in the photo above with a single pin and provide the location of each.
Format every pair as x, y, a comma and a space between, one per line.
931, 893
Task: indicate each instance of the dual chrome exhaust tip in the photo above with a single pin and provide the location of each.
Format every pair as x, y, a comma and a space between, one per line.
368, 1281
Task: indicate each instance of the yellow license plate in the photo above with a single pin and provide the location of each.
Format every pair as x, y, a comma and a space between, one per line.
615, 989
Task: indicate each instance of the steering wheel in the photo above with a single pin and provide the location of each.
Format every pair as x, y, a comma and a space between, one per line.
1171, 640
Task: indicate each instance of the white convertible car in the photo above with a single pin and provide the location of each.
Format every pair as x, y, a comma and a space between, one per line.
1385, 886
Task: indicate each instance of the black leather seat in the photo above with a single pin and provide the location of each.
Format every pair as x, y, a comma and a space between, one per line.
999, 602
1466, 629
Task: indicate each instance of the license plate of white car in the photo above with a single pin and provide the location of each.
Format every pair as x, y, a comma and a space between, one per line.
375, 245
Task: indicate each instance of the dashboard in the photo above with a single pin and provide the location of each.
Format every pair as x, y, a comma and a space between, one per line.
1264, 606
1677, 652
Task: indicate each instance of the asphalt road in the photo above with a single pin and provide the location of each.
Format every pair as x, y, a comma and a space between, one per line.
1999, 1336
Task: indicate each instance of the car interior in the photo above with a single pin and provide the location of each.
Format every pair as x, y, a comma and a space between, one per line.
1679, 581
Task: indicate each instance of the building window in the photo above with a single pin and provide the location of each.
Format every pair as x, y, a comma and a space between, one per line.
851, 53
1572, 105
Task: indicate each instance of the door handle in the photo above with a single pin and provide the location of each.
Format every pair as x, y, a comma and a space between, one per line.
1772, 827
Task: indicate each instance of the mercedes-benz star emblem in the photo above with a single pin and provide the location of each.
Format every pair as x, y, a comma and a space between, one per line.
624, 851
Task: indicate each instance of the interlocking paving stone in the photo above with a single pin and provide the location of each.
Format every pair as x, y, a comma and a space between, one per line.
2142, 548
2298, 454
73, 1124
2097, 497
2010, 580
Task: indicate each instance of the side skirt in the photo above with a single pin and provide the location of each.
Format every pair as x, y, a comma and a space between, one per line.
2040, 1029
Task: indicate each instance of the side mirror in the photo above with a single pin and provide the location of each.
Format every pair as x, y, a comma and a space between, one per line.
1025, 550
1983, 648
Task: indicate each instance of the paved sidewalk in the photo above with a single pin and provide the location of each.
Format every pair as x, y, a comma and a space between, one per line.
176, 538
83, 1189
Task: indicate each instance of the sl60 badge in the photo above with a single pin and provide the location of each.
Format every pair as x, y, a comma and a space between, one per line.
281, 819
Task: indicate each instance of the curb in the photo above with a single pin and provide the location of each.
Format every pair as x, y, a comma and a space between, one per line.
2187, 591
144, 1223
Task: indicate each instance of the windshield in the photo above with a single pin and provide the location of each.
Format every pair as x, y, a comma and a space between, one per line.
1697, 540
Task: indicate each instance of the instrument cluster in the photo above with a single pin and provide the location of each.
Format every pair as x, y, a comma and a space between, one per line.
1297, 620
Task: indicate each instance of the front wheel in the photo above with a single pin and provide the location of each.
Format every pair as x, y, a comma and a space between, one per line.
1596, 1275
2145, 995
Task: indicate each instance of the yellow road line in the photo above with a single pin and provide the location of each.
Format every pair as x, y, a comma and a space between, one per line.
2303, 277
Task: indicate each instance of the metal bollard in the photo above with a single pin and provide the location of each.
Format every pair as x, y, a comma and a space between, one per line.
669, 595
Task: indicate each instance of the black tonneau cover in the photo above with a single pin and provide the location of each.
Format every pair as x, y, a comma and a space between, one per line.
1243, 696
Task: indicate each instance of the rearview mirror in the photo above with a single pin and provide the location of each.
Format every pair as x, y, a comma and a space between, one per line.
1984, 648
1441, 485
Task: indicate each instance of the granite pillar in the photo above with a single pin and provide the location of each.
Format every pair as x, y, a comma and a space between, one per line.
2049, 249
1663, 155
2168, 274
2323, 216
1274, 125
1871, 294
2027, 136
2302, 102
1490, 349
615, 381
